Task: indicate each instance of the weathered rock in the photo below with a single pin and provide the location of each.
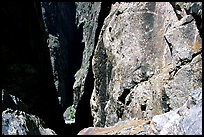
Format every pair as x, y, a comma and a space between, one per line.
20, 123
185, 120
140, 48
193, 8
129, 127
71, 29
87, 16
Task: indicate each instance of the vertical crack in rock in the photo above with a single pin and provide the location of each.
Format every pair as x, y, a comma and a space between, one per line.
106, 67
169, 44
66, 46
83, 111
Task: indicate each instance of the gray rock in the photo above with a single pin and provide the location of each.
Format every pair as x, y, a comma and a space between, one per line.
145, 63
20, 123
87, 14
186, 120
189, 8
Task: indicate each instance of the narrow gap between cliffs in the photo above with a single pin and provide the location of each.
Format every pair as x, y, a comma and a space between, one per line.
84, 118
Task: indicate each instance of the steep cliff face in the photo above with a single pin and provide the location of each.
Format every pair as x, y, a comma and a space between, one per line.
100, 64
146, 62
71, 35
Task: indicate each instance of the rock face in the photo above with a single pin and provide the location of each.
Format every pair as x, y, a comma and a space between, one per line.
19, 123
186, 120
71, 33
145, 63
99, 64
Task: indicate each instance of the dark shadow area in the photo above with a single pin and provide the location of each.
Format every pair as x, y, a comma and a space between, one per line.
60, 21
26, 70
84, 118
105, 10
124, 95
25, 62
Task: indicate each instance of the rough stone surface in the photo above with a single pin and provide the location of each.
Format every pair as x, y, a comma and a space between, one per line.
20, 123
71, 29
129, 127
135, 60
185, 120
192, 8
145, 63
87, 16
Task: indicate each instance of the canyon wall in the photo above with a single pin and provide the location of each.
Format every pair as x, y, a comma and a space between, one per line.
98, 64
146, 62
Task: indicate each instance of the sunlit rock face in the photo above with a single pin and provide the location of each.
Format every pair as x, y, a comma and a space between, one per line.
185, 120
99, 64
146, 62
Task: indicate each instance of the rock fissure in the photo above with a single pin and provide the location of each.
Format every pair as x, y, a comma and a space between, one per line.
183, 62
113, 66
169, 45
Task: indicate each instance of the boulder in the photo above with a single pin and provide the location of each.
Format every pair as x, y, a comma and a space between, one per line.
15, 122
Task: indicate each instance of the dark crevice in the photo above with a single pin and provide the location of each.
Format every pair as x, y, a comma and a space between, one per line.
164, 102
124, 95
118, 13
119, 111
128, 102
198, 20
187, 22
83, 112
174, 71
26, 62
143, 107
183, 62
196, 54
169, 44
105, 10
176, 7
